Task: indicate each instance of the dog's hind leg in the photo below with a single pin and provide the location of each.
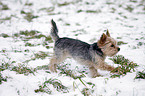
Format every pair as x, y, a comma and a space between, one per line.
53, 64
54, 61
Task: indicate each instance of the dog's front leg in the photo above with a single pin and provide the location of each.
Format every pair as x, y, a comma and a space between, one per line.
94, 72
103, 66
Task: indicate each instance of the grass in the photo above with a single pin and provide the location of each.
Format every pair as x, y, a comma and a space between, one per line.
68, 72
57, 84
4, 35
129, 8
125, 65
29, 35
89, 11
38, 55
43, 88
24, 36
85, 92
93, 11
8, 64
64, 4
29, 44
41, 55
44, 67
88, 87
140, 75
3, 6
50, 9
5, 19
2, 78
22, 69
28, 16
121, 43
140, 43
28, 4
68, 3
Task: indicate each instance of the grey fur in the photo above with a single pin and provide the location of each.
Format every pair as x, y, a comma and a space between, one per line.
76, 48
54, 31
92, 55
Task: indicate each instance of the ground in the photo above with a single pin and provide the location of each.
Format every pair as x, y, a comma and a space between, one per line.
26, 47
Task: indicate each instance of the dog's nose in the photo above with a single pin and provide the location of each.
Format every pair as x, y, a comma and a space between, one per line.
118, 49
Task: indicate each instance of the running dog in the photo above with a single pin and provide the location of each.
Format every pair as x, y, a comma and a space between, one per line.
91, 55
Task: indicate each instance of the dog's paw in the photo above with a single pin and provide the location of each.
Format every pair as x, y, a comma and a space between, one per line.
96, 75
52, 68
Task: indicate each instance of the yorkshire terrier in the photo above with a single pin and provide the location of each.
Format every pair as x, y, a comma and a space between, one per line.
91, 55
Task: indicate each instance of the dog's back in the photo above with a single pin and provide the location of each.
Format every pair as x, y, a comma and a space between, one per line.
74, 48
91, 55
69, 47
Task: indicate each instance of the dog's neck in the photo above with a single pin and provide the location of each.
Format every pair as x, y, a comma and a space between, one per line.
97, 50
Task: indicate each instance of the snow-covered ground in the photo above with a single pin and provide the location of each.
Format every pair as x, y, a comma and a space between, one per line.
80, 19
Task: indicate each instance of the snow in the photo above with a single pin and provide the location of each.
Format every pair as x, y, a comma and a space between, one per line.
88, 27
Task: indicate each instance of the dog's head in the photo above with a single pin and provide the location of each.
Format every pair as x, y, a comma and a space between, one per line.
108, 45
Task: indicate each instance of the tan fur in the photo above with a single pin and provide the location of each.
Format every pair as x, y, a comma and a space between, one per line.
56, 60
100, 65
107, 45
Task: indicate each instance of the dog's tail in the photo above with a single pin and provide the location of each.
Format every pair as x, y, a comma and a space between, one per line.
54, 31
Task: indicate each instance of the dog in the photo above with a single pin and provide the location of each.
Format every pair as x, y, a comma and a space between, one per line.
91, 55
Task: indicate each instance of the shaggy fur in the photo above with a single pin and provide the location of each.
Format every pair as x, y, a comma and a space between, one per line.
91, 55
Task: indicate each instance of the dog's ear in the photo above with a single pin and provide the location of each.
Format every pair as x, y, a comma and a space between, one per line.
107, 33
103, 38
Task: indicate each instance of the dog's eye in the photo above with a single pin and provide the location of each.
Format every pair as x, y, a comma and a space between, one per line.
112, 45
